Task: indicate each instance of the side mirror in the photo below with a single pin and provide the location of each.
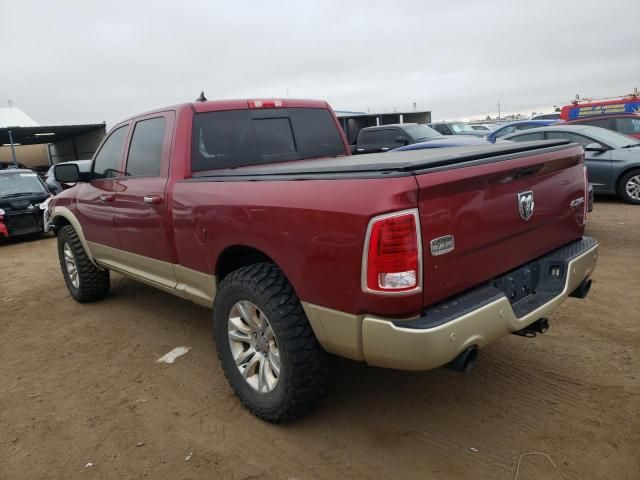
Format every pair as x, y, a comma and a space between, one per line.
67, 173
595, 147
402, 140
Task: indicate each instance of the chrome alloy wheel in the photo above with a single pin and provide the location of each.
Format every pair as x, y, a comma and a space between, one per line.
254, 346
70, 265
633, 187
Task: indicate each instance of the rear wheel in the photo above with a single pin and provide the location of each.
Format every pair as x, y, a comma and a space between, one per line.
266, 346
85, 281
629, 187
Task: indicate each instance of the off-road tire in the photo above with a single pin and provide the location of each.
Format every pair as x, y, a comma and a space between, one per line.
623, 182
306, 370
93, 281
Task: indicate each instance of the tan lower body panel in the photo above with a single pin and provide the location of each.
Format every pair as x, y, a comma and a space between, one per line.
381, 343
184, 282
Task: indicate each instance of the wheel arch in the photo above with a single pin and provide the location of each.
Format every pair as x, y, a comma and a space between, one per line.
630, 168
234, 257
63, 216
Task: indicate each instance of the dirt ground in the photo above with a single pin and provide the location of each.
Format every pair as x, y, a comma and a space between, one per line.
81, 395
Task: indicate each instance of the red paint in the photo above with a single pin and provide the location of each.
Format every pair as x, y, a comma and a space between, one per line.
315, 229
3, 230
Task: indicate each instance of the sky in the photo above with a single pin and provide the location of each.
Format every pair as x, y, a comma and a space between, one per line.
85, 61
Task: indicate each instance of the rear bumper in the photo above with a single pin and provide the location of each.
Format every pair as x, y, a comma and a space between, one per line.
508, 304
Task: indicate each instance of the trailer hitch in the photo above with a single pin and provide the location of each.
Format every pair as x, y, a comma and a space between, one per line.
538, 327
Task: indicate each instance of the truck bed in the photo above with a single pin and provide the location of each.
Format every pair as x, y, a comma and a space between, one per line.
384, 164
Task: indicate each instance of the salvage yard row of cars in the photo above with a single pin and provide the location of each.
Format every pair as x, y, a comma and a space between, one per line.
411, 259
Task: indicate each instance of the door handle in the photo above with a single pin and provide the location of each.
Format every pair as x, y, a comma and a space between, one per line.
107, 197
384, 149
152, 199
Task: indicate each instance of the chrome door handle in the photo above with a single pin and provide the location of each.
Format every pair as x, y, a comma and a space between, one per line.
152, 199
384, 149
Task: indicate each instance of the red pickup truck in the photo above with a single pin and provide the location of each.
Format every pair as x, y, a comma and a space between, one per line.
408, 260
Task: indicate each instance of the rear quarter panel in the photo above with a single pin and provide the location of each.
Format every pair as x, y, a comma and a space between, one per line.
313, 229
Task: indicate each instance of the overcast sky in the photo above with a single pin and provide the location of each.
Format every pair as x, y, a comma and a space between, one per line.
85, 61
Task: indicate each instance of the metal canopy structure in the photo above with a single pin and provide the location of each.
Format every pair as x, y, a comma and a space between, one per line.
64, 142
48, 134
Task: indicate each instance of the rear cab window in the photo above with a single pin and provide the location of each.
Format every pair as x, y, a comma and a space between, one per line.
237, 138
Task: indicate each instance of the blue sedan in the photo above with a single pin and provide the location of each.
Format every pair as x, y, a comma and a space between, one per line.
517, 126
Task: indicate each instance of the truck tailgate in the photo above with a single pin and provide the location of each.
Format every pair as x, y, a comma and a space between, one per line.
478, 205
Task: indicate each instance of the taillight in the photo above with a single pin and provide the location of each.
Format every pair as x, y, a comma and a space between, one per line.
1, 214
392, 260
264, 103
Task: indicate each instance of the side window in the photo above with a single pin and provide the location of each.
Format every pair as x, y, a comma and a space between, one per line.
444, 129
600, 122
628, 125
390, 136
527, 137
372, 137
107, 160
505, 131
145, 152
584, 141
526, 126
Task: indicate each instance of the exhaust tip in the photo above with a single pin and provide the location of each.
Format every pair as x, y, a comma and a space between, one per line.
464, 362
583, 289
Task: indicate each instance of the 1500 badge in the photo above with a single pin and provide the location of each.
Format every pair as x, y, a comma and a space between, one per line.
442, 245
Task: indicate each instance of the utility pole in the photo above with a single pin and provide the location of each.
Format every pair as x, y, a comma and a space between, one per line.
498, 109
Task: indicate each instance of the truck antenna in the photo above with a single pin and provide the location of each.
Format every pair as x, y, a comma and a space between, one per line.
201, 98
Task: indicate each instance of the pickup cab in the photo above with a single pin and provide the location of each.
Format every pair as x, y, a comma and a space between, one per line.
255, 208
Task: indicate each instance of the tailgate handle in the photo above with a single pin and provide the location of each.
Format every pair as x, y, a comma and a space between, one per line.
525, 172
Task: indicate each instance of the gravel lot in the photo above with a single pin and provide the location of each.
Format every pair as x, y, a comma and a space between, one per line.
82, 397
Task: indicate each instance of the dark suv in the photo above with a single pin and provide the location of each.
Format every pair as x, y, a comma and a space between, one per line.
21, 193
388, 137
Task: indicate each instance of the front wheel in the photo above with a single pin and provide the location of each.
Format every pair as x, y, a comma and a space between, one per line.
266, 346
85, 281
629, 187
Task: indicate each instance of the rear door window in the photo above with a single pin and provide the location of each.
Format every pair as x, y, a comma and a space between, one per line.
145, 152
239, 138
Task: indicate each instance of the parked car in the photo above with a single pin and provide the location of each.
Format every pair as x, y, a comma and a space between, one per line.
613, 159
446, 141
546, 116
389, 137
517, 126
455, 128
21, 194
54, 186
408, 260
625, 123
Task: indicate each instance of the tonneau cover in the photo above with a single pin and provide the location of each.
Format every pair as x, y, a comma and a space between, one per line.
403, 161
